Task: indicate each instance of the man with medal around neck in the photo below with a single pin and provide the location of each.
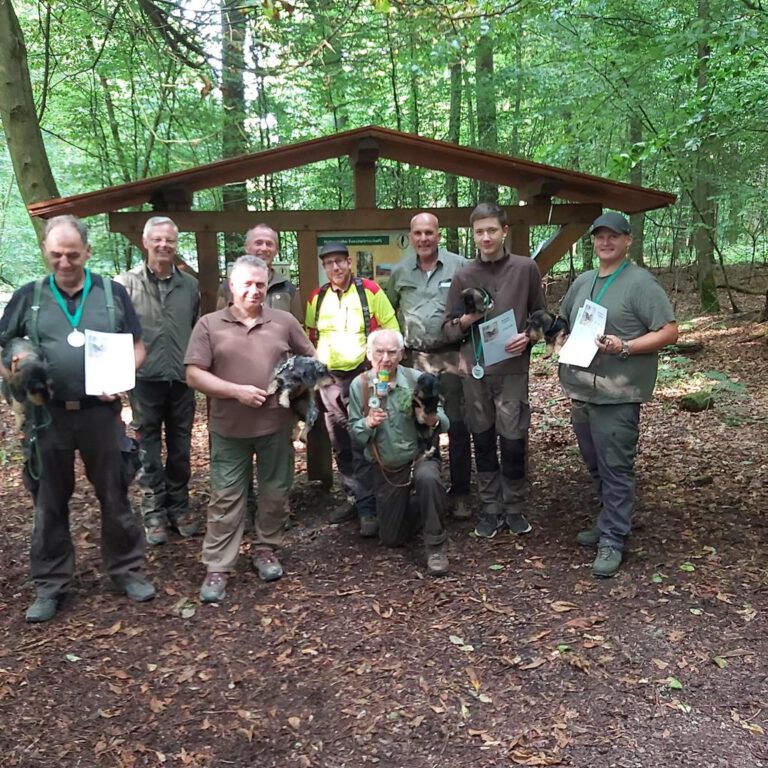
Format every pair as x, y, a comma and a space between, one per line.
496, 396
606, 396
72, 300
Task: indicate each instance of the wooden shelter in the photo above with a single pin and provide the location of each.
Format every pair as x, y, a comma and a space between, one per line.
538, 185
581, 199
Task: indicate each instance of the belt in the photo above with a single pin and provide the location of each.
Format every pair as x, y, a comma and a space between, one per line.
78, 405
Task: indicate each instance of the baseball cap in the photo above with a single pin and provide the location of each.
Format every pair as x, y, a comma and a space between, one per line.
613, 221
326, 249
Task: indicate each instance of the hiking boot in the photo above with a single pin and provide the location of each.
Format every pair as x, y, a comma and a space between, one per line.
607, 561
186, 524
214, 587
488, 526
590, 537
518, 524
42, 609
437, 564
136, 588
342, 514
266, 564
461, 510
156, 533
369, 526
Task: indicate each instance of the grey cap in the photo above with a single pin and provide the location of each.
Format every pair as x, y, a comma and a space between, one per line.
326, 249
613, 221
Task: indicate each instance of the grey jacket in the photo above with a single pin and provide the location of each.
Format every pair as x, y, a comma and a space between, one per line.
167, 324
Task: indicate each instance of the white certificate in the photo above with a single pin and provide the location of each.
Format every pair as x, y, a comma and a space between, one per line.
109, 363
494, 334
581, 347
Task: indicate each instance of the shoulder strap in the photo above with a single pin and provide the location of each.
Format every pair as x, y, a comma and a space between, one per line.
320, 297
364, 304
37, 296
364, 394
110, 301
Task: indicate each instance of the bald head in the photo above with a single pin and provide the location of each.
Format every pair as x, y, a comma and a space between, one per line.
425, 237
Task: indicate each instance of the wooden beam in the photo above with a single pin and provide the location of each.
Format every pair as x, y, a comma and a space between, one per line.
558, 245
351, 220
363, 159
208, 270
307, 247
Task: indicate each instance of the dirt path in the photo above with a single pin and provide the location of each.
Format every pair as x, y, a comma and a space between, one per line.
356, 658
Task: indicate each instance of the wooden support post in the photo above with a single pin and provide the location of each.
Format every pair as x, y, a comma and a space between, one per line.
306, 242
208, 270
558, 245
519, 239
363, 161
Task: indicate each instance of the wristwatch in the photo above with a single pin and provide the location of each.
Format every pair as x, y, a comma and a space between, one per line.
625, 353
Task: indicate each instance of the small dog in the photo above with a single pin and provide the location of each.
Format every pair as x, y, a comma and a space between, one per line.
476, 300
27, 383
551, 328
295, 382
426, 398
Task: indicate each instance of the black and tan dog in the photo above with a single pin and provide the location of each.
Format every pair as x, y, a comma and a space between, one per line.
426, 399
295, 382
27, 383
476, 300
553, 329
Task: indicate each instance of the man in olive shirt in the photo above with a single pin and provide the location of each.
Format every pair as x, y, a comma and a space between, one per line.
54, 312
231, 358
606, 396
386, 426
167, 302
418, 289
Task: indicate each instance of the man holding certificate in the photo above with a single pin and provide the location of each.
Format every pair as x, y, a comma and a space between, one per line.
494, 365
629, 318
57, 313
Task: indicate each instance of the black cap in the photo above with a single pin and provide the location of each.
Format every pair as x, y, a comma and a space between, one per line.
326, 249
613, 221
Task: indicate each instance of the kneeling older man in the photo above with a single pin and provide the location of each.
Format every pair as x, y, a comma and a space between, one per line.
382, 419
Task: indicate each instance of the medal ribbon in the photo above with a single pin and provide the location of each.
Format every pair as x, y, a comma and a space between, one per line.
74, 320
477, 344
607, 282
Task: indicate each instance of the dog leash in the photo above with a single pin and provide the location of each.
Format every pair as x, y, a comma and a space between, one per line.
35, 461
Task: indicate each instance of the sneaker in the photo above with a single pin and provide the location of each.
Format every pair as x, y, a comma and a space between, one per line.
369, 526
156, 534
607, 561
589, 537
342, 514
214, 587
461, 510
437, 564
488, 526
42, 609
137, 588
266, 564
186, 524
518, 524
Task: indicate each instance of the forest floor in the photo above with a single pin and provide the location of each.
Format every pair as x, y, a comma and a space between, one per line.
356, 657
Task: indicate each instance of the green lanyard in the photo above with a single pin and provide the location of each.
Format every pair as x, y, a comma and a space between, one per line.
607, 282
477, 343
74, 320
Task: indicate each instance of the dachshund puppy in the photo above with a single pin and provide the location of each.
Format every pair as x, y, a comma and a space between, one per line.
553, 329
426, 398
476, 300
27, 383
295, 382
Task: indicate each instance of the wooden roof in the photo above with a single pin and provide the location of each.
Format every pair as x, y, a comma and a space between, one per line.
531, 178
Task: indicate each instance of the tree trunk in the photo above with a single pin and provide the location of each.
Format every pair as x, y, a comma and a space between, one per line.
636, 220
20, 123
705, 217
233, 138
487, 137
454, 133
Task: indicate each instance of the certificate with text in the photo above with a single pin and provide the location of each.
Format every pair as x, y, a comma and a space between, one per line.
110, 365
494, 334
580, 348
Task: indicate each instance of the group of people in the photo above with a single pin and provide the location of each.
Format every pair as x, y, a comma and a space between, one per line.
375, 341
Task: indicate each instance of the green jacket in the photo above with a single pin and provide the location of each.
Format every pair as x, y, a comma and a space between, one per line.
167, 324
397, 439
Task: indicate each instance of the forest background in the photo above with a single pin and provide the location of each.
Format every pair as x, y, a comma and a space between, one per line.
672, 96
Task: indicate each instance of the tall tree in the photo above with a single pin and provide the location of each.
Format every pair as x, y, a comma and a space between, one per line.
485, 88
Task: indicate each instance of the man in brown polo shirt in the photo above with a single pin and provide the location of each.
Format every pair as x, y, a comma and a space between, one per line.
231, 357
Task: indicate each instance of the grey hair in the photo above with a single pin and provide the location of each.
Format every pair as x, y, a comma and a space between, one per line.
374, 335
71, 221
246, 260
267, 227
156, 221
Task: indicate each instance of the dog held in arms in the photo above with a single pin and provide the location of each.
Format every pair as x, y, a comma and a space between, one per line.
27, 383
426, 398
551, 328
476, 300
295, 382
